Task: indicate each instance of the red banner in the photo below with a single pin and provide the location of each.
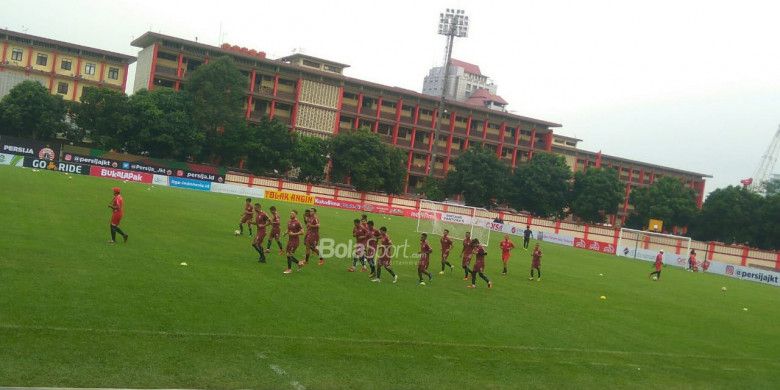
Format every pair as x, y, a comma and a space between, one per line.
120, 174
596, 246
369, 208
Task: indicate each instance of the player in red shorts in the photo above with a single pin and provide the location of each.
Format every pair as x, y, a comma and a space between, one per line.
659, 262
261, 221
385, 255
276, 231
371, 244
506, 247
466, 252
479, 266
361, 238
294, 231
246, 217
425, 253
536, 263
313, 236
446, 245
118, 211
693, 265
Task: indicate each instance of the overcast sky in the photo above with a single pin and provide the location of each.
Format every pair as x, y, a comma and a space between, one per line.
693, 85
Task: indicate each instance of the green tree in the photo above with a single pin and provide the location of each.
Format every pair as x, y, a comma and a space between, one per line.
30, 111
310, 156
433, 189
217, 93
596, 193
667, 199
371, 165
480, 176
270, 147
730, 215
161, 126
541, 186
768, 233
104, 116
771, 187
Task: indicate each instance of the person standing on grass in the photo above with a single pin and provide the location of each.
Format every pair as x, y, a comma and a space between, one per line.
246, 218
479, 266
692, 265
659, 262
536, 263
446, 245
313, 236
276, 231
294, 231
361, 238
526, 236
261, 221
466, 252
371, 244
118, 211
425, 253
384, 249
506, 247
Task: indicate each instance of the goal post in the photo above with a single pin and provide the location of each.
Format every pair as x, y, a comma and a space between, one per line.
645, 245
435, 217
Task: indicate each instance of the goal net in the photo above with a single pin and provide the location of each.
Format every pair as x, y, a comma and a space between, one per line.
644, 245
436, 217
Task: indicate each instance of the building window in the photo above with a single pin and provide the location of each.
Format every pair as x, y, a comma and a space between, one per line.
311, 64
89, 69
62, 88
113, 73
16, 54
66, 64
42, 59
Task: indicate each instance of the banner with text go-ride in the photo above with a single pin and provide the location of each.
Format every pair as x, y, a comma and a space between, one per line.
11, 159
593, 245
289, 197
76, 169
120, 174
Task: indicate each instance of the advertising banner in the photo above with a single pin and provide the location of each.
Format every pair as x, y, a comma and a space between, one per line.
289, 197
745, 273
119, 174
76, 169
649, 255
11, 159
160, 180
370, 208
232, 189
28, 148
140, 167
555, 238
593, 245
456, 218
190, 184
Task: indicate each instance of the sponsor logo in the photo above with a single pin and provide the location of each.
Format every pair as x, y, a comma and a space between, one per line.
120, 174
730, 270
179, 173
68, 157
289, 197
190, 184
125, 165
757, 276
608, 249
17, 149
579, 243
46, 154
11, 159
594, 246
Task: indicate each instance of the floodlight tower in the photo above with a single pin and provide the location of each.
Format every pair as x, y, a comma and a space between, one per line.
767, 165
453, 23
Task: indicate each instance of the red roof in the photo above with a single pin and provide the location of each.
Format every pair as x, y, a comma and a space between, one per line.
482, 95
469, 68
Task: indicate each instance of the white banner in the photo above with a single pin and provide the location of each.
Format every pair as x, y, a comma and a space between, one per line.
11, 159
554, 238
745, 273
456, 218
672, 259
232, 189
160, 180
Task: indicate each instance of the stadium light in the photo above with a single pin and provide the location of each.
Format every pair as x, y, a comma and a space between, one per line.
453, 23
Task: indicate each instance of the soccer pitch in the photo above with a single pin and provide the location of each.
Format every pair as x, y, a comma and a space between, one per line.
77, 312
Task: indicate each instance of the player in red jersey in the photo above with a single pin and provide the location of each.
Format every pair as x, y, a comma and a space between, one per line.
479, 266
262, 222
466, 252
118, 211
361, 238
384, 251
536, 263
425, 253
506, 247
276, 231
313, 236
446, 245
693, 265
246, 217
371, 244
659, 262
294, 231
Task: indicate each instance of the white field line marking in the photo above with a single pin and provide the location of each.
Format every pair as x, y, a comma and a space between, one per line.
380, 341
281, 372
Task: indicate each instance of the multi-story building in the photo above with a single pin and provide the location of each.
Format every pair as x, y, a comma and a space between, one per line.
64, 68
465, 83
634, 174
314, 97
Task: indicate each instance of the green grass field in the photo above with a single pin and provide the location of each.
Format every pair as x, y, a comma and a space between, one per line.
77, 312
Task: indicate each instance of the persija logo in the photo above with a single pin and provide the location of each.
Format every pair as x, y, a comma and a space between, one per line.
179, 173
730, 270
